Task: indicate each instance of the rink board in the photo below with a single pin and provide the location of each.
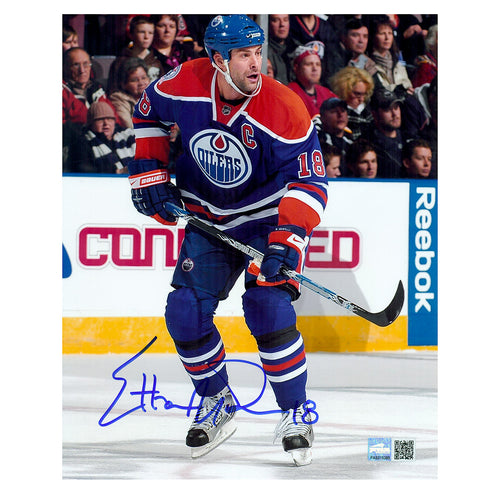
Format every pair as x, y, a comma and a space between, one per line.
320, 333
117, 267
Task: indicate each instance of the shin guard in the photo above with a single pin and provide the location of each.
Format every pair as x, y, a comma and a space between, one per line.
271, 318
189, 318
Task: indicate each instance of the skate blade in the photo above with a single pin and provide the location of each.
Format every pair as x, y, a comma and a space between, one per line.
301, 456
226, 432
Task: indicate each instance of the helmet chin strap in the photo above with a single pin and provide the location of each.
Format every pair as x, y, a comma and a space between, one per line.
229, 80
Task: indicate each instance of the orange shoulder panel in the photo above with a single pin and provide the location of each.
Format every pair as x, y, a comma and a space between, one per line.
280, 110
191, 79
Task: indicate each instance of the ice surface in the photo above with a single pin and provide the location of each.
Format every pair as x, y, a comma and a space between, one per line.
357, 395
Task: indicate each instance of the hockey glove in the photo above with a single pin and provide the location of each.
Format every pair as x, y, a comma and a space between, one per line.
285, 247
151, 188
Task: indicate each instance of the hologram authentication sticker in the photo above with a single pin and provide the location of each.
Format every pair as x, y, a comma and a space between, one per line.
379, 448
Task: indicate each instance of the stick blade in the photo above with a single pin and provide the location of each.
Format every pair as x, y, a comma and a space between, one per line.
390, 313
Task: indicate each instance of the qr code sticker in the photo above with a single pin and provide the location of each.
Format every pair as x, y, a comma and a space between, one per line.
404, 449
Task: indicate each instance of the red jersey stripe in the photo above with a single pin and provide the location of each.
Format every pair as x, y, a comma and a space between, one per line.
152, 148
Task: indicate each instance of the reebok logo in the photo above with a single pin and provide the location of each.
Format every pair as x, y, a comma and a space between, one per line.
423, 243
423, 263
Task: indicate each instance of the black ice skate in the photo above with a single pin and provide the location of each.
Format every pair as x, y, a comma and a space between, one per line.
213, 423
296, 433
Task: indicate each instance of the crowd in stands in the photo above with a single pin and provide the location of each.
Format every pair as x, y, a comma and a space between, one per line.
369, 83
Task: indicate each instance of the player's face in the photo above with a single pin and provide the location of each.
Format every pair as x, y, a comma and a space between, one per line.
165, 31
367, 165
309, 70
137, 81
357, 40
143, 36
245, 66
420, 162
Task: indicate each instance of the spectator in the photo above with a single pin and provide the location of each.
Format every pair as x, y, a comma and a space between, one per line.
142, 30
355, 40
132, 79
70, 37
332, 127
104, 146
386, 135
307, 28
307, 69
417, 160
332, 157
77, 80
412, 114
362, 159
169, 51
426, 65
382, 48
355, 86
79, 91
281, 47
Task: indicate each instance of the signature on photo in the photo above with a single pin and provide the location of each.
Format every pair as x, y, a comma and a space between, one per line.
153, 399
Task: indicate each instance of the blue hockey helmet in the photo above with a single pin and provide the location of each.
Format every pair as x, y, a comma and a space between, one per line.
228, 32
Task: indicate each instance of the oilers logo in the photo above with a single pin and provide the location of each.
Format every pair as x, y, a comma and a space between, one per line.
187, 265
221, 158
216, 21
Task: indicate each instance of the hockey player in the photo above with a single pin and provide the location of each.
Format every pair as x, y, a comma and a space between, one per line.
251, 165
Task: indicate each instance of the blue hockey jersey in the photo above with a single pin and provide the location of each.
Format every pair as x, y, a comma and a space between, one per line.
245, 167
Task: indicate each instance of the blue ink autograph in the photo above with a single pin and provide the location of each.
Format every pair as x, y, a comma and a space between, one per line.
156, 398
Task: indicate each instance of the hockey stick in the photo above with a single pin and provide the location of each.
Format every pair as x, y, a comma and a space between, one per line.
382, 318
